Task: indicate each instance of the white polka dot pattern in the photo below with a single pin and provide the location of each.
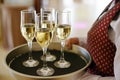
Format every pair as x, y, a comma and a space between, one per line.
100, 46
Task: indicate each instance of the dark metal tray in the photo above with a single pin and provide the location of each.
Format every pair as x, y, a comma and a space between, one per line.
78, 56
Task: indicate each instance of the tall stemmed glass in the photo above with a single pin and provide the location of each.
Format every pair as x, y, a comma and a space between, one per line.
63, 31
28, 32
53, 13
43, 36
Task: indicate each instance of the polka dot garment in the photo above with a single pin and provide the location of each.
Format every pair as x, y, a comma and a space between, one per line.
100, 46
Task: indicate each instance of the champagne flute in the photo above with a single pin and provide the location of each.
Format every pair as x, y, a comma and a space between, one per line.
28, 32
43, 36
53, 13
63, 31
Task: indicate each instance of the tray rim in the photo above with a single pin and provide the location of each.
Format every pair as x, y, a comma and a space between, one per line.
46, 77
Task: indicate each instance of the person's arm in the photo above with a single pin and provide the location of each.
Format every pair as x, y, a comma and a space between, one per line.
115, 37
83, 41
88, 76
77, 41
117, 43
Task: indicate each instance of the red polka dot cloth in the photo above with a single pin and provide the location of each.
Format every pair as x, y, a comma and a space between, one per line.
100, 46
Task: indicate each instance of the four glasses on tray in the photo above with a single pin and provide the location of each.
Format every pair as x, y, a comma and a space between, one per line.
44, 26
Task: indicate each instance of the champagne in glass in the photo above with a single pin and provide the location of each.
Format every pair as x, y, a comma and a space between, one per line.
28, 32
63, 31
52, 12
43, 36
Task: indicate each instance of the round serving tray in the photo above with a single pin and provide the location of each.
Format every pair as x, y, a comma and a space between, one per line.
78, 57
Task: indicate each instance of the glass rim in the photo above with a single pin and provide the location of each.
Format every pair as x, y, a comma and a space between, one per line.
63, 12
41, 15
38, 14
47, 9
27, 11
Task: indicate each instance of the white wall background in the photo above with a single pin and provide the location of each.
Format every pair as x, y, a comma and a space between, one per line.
84, 12
18, 2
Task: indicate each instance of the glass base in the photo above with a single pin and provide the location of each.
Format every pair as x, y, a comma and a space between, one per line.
30, 63
49, 57
47, 71
62, 64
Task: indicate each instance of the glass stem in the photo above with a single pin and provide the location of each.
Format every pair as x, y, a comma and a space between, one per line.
30, 50
62, 50
44, 57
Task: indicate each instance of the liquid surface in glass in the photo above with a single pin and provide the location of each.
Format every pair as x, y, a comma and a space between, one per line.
28, 31
63, 31
43, 36
48, 24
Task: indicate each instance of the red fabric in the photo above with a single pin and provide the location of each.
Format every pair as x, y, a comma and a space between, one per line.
100, 46
117, 1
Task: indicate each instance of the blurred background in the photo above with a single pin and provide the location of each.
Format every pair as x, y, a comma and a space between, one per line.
84, 13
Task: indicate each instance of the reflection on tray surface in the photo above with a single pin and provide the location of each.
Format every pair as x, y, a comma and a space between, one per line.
77, 62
